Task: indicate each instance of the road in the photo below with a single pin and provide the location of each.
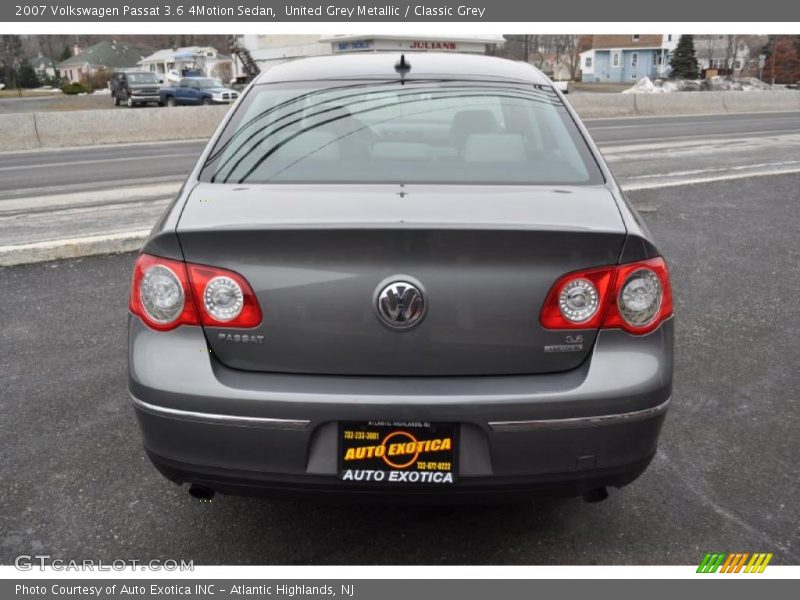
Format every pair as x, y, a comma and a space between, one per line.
31, 173
76, 483
79, 192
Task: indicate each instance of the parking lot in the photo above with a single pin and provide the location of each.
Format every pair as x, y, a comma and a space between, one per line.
76, 483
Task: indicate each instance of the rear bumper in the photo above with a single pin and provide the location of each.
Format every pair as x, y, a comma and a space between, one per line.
242, 432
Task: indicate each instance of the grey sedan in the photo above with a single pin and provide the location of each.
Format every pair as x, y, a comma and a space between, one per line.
395, 275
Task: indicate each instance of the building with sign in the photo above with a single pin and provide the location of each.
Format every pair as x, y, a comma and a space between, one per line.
270, 50
195, 59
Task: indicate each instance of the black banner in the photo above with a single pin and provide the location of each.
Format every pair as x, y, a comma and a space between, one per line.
243, 11
392, 589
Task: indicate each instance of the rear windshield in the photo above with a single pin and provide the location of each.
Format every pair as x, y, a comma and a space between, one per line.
207, 83
388, 132
142, 78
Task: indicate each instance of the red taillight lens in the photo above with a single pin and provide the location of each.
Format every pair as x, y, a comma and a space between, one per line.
577, 300
642, 297
167, 293
225, 298
160, 293
635, 297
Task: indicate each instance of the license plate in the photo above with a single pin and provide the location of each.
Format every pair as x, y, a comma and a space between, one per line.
398, 452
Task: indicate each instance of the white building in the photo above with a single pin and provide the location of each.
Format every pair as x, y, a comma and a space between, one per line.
44, 66
270, 50
197, 58
722, 52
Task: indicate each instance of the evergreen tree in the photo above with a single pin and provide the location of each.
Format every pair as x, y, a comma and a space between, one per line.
26, 75
66, 53
684, 61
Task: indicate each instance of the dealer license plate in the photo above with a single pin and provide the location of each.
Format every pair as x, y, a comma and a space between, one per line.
398, 452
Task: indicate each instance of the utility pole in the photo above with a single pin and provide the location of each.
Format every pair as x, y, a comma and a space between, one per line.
774, 40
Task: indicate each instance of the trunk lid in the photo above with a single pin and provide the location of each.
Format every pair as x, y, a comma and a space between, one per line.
485, 257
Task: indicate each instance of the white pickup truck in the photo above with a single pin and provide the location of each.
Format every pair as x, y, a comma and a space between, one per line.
561, 86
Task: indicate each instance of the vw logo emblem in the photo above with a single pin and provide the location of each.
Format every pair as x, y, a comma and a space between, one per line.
401, 304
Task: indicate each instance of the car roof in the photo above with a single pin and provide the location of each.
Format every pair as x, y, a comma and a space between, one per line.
424, 65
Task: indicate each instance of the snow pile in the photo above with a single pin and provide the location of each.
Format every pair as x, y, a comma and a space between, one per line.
715, 84
745, 84
643, 86
48, 88
102, 92
660, 86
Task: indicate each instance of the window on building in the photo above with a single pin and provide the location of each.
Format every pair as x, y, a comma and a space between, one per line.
658, 59
669, 37
615, 59
635, 59
635, 37
588, 62
737, 64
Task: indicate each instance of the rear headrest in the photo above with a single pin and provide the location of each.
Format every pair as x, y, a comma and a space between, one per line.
468, 122
495, 148
316, 145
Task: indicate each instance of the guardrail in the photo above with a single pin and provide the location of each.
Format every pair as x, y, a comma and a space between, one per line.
595, 105
26, 131
59, 129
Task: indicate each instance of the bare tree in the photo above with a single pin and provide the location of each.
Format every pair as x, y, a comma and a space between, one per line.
11, 56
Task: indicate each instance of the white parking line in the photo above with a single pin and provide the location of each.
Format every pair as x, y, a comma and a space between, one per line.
117, 195
95, 161
629, 186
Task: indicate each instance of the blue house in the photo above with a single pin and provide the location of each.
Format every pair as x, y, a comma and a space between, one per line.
627, 58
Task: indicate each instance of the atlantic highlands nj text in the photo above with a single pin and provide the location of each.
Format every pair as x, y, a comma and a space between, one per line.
300, 11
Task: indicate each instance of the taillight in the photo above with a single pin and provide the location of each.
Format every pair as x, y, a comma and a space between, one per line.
160, 293
225, 298
635, 297
167, 293
642, 297
577, 300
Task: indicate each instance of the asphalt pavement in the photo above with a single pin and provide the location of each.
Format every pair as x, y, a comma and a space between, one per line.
76, 483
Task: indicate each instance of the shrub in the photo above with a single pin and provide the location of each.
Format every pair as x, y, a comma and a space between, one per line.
75, 88
97, 80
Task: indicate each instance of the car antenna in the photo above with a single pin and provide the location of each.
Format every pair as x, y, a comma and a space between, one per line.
402, 68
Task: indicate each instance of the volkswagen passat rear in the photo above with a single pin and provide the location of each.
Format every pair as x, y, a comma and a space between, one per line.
401, 275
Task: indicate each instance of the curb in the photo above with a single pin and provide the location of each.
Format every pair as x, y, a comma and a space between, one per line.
115, 243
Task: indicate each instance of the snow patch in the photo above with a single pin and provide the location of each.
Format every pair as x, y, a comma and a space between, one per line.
715, 84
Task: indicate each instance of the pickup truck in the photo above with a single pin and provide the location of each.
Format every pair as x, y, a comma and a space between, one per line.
197, 90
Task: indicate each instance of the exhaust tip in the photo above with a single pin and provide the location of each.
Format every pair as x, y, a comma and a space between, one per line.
595, 495
201, 492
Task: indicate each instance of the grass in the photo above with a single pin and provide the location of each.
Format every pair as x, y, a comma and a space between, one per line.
607, 88
24, 93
